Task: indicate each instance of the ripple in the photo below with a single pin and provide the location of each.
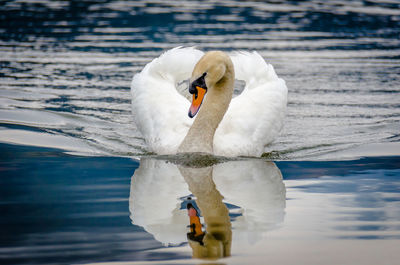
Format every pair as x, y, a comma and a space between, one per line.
340, 61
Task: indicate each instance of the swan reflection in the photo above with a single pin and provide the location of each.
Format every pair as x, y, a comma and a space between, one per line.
210, 207
216, 241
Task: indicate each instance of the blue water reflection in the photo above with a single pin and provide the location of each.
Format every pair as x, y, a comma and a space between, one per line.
58, 208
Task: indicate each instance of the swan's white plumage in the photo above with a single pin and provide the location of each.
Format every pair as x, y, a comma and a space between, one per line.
253, 119
159, 111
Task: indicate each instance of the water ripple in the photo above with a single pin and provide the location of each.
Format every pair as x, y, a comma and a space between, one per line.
340, 60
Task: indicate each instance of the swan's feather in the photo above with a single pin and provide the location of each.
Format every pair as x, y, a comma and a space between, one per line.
159, 111
253, 119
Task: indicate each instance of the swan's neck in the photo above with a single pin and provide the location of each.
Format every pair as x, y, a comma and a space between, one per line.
200, 137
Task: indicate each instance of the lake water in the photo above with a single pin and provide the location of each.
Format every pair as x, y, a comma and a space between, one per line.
64, 209
73, 191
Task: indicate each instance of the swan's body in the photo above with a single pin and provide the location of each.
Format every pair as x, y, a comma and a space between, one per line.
224, 126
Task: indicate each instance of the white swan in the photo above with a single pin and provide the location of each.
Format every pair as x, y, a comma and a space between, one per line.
241, 126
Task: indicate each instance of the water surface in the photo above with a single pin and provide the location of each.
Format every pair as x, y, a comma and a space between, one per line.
70, 192
63, 209
67, 65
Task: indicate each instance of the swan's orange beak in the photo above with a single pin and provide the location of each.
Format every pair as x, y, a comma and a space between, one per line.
198, 97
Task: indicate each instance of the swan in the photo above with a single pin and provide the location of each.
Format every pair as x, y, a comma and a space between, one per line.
224, 125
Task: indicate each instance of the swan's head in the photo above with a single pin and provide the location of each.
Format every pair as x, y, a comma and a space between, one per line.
208, 72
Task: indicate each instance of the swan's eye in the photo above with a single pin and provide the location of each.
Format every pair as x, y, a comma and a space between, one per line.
199, 82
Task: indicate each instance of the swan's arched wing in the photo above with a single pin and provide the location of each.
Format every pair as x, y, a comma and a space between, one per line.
159, 111
255, 117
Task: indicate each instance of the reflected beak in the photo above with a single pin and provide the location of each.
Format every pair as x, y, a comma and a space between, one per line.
198, 97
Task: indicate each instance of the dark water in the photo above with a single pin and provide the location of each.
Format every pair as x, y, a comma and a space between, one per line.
65, 74
66, 67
